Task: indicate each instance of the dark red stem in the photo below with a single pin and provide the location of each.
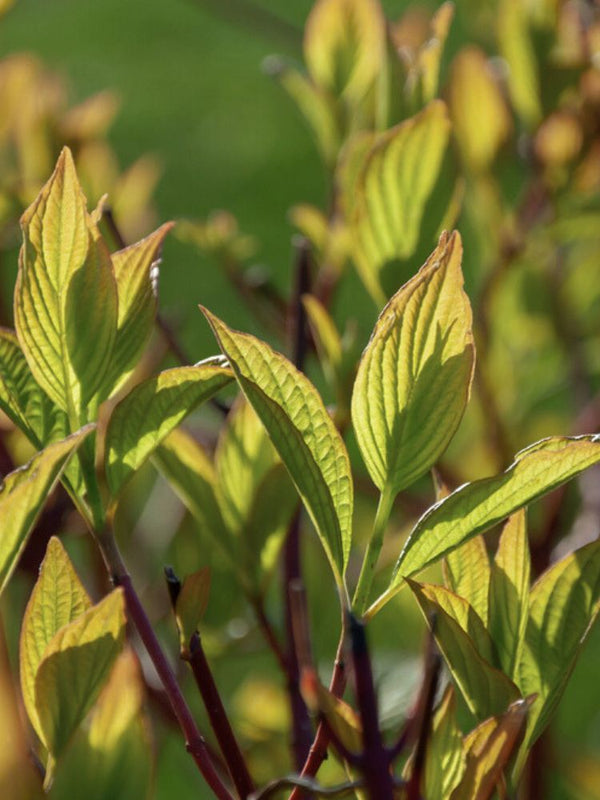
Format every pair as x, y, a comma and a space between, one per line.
219, 721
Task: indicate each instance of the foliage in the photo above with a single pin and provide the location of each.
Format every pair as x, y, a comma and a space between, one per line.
410, 150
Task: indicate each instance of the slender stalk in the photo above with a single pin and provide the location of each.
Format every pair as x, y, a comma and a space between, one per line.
308, 785
318, 750
375, 763
365, 580
218, 718
194, 741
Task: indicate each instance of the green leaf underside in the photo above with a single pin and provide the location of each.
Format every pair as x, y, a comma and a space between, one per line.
485, 689
141, 421
509, 593
468, 573
564, 603
414, 378
397, 179
475, 507
66, 294
57, 599
302, 432
136, 289
23, 494
76, 663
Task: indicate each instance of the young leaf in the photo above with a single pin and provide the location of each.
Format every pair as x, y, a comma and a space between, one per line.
398, 177
66, 295
474, 507
303, 434
414, 378
137, 293
509, 593
22, 399
467, 572
191, 605
344, 45
342, 718
23, 494
564, 603
444, 762
75, 665
152, 410
487, 751
485, 689
115, 748
58, 598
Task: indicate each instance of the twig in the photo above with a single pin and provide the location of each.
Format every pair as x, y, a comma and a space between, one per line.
219, 720
195, 744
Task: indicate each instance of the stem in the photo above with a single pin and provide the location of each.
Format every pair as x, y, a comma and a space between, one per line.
384, 508
218, 718
194, 742
318, 750
375, 761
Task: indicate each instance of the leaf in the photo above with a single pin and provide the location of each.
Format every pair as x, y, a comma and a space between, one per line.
116, 749
191, 475
509, 593
473, 85
477, 506
75, 665
302, 432
516, 47
563, 605
342, 718
395, 183
58, 598
23, 495
136, 273
444, 762
430, 54
414, 377
66, 295
487, 750
152, 410
467, 571
191, 605
485, 689
22, 399
344, 45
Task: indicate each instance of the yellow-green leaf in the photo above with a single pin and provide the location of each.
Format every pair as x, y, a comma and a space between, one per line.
116, 748
467, 571
342, 718
473, 85
344, 45
444, 762
22, 399
487, 751
516, 47
414, 378
23, 494
306, 439
396, 181
564, 603
76, 663
66, 295
486, 690
509, 593
191, 605
58, 598
136, 273
151, 411
474, 507
430, 54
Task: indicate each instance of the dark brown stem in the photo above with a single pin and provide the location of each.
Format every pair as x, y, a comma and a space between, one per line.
318, 750
375, 762
219, 721
194, 742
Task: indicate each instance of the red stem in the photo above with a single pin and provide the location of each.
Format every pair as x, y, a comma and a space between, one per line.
218, 718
